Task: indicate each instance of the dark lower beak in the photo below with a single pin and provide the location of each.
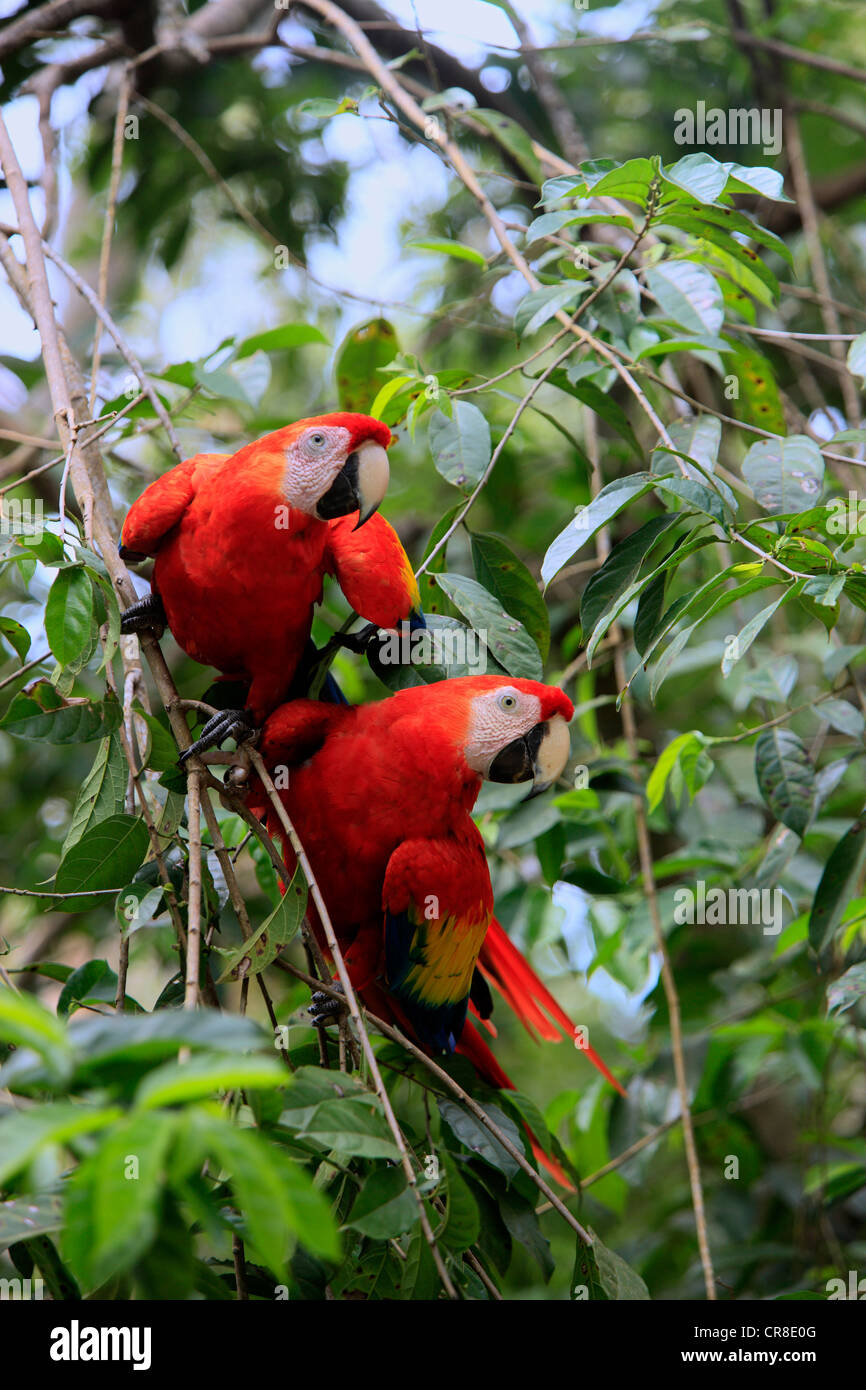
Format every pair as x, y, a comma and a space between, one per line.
342, 496
539, 755
359, 486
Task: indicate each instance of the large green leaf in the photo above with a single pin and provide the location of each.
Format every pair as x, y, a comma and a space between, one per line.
838, 883
69, 617
505, 576
601, 1274
43, 714
786, 475
112, 1206
688, 294
503, 636
363, 351
583, 526
275, 932
385, 1207
786, 777
25, 1133
102, 793
106, 856
460, 445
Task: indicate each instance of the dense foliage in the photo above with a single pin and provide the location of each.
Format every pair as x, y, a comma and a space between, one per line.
625, 380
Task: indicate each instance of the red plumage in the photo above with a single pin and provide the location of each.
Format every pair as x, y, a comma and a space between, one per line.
239, 569
381, 797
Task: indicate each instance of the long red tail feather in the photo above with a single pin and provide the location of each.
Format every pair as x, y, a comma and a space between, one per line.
521, 988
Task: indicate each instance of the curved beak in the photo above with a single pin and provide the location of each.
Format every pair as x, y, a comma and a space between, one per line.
540, 755
359, 486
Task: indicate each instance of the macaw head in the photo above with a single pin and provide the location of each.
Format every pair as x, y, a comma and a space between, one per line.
518, 731
335, 464
506, 729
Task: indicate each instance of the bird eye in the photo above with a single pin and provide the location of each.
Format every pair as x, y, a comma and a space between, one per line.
508, 702
317, 440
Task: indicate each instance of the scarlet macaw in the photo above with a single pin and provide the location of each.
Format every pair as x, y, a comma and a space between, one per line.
243, 542
381, 796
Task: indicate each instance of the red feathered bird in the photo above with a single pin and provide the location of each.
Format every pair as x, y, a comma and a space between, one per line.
381, 797
242, 545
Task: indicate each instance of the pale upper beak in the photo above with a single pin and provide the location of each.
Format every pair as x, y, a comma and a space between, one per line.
359, 486
541, 755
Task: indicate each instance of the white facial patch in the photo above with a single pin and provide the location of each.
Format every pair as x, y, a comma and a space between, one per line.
498, 718
312, 464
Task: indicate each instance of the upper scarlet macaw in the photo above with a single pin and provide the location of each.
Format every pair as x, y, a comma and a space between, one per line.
381, 797
243, 542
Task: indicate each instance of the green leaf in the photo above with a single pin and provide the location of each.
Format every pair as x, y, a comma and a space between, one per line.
539, 306
838, 881
138, 906
504, 637
460, 446
768, 182
786, 777
132, 1043
697, 174
688, 294
365, 349
590, 519
630, 180
42, 714
176, 1083
857, 358
683, 751
848, 990
620, 570
17, 636
21, 1219
477, 1138
69, 617
600, 403
354, 1125
102, 793
277, 930
736, 646
288, 335
26, 1023
94, 982
385, 1207
462, 1218
513, 139
842, 716
785, 475
113, 1205
26, 1133
507, 578
445, 247
601, 1274
106, 856
276, 1197
697, 439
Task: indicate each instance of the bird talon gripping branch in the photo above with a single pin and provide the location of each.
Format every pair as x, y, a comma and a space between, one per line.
325, 1009
226, 723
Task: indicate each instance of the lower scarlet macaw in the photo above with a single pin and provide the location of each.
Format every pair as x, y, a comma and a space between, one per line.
381, 796
243, 542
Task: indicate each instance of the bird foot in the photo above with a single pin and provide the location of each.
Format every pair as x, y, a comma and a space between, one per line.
148, 615
325, 1009
358, 642
226, 723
